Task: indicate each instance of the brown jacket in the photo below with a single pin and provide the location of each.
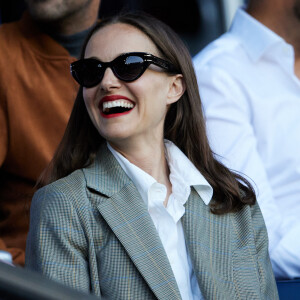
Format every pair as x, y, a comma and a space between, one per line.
37, 93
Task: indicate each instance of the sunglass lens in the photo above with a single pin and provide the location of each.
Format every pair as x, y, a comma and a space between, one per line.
129, 68
89, 72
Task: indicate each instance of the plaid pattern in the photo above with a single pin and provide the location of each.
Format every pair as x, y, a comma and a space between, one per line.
92, 231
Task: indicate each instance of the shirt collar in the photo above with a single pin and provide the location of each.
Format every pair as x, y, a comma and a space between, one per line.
184, 170
256, 37
180, 166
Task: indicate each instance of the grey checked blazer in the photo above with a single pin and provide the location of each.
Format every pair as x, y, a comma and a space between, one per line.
91, 230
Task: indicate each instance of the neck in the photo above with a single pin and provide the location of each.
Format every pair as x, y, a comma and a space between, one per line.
148, 157
151, 159
281, 17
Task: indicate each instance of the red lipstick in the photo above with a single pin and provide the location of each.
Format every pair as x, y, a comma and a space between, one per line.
116, 111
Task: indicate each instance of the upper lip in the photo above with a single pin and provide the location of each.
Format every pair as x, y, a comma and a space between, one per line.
113, 98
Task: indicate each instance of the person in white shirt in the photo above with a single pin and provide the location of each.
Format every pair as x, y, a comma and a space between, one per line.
137, 206
249, 82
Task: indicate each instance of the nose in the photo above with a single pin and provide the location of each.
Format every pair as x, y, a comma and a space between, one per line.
109, 81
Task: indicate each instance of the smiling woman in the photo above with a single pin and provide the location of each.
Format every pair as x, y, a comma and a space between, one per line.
135, 206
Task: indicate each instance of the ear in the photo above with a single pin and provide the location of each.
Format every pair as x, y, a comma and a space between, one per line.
176, 88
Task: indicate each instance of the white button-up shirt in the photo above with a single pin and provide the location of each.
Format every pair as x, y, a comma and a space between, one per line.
183, 175
251, 99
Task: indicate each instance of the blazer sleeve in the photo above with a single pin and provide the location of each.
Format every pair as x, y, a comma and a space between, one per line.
267, 281
56, 243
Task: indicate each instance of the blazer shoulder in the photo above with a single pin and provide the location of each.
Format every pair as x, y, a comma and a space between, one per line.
75, 180
250, 230
249, 216
71, 188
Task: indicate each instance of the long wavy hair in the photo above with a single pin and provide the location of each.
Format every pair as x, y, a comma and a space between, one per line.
184, 124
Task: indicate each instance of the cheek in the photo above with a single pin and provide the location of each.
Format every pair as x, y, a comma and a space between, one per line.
89, 96
90, 104
151, 88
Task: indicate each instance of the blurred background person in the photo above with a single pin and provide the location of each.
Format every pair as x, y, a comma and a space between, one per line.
196, 21
250, 88
36, 97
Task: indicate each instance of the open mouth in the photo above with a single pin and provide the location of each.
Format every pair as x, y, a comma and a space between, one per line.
116, 108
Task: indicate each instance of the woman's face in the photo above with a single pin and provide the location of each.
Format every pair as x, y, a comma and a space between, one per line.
147, 97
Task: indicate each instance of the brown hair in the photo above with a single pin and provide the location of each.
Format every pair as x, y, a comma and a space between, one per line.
184, 124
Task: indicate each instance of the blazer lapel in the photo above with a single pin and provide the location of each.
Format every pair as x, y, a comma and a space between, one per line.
128, 217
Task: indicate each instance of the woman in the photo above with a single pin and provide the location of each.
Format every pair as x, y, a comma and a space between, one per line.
138, 208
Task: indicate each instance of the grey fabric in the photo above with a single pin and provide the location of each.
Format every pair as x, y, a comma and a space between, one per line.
92, 231
73, 43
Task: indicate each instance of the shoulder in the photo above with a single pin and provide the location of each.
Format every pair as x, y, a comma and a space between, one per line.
222, 58
7, 28
61, 195
221, 48
249, 222
222, 70
10, 33
75, 180
11, 40
249, 212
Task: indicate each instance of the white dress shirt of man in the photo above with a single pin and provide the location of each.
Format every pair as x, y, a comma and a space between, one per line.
250, 89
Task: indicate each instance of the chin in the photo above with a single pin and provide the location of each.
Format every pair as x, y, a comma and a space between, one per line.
117, 139
117, 132
45, 12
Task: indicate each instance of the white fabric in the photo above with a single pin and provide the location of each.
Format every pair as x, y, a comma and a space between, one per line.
251, 99
183, 175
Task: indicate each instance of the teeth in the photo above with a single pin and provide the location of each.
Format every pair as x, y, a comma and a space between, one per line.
117, 103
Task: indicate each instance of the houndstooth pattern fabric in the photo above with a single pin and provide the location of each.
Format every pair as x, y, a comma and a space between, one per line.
92, 231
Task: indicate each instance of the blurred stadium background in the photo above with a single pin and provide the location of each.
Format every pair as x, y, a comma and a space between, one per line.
197, 21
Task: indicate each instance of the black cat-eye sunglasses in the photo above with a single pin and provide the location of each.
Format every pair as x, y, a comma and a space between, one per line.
127, 67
